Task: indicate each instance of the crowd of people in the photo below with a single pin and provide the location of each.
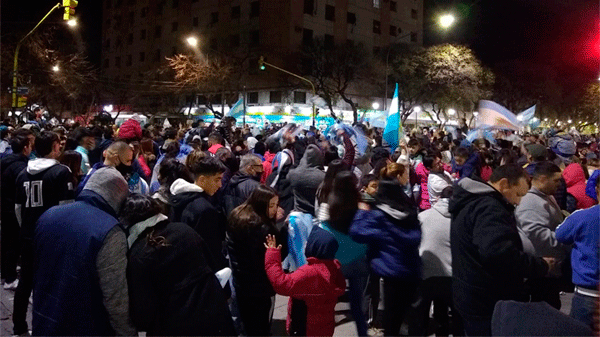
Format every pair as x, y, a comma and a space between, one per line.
193, 230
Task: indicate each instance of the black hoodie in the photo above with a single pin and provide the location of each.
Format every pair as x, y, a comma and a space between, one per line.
488, 262
11, 166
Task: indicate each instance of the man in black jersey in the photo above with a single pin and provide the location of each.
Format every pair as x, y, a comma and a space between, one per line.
43, 184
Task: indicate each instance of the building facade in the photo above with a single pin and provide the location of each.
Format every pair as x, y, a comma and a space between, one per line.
137, 35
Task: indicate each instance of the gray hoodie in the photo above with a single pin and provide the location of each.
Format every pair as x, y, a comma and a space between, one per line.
306, 179
435, 251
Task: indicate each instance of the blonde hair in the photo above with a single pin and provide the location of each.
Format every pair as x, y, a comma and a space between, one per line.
194, 157
392, 171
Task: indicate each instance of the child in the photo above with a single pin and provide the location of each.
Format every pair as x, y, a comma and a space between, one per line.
368, 188
313, 289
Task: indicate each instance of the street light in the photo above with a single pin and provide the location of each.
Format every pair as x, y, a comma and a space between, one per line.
375, 106
569, 121
192, 41
72, 23
417, 109
445, 21
56, 68
451, 112
545, 119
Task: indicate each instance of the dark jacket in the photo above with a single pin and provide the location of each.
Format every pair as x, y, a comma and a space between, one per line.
190, 205
306, 179
68, 298
392, 232
488, 262
173, 291
238, 190
283, 184
10, 167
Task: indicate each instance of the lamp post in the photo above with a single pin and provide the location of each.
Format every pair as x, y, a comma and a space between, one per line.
56, 68
445, 21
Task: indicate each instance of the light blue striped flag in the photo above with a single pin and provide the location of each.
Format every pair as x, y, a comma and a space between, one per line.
237, 109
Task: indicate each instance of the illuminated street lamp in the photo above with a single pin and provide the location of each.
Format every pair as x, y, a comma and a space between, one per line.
417, 109
56, 68
545, 119
569, 121
451, 112
375, 106
447, 20
72, 23
192, 41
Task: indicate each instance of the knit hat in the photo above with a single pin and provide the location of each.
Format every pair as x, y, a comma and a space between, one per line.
110, 185
131, 129
321, 244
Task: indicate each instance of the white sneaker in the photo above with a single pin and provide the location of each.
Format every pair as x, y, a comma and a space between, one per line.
11, 286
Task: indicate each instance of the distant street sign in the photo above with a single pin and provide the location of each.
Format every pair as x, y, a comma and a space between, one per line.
22, 102
22, 91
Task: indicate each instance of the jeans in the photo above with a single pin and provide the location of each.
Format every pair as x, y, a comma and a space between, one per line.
398, 295
583, 307
372, 297
357, 273
24, 289
10, 247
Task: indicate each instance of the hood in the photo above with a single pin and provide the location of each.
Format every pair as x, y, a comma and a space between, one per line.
573, 175
240, 177
40, 165
392, 200
12, 158
140, 227
313, 158
442, 207
269, 156
321, 244
182, 186
468, 190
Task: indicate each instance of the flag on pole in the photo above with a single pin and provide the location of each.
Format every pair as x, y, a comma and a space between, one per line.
526, 116
393, 127
237, 109
494, 116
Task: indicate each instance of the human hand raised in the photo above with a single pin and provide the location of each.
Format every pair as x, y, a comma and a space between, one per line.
271, 242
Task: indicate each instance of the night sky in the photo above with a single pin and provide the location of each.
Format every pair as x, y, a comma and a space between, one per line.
560, 33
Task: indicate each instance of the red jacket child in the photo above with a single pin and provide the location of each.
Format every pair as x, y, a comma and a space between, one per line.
317, 285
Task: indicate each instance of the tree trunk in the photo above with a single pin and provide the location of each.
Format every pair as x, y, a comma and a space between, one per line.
352, 105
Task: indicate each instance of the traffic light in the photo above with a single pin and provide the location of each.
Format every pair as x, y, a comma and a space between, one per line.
261, 63
69, 6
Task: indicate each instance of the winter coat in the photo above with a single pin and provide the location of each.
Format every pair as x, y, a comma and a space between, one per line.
136, 183
488, 262
539, 215
392, 232
172, 289
469, 168
267, 166
10, 167
317, 284
238, 190
436, 182
575, 181
434, 250
422, 176
190, 205
306, 179
279, 180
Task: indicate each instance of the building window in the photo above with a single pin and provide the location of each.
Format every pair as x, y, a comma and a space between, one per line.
174, 26
129, 39
275, 97
328, 41
235, 12
157, 55
214, 17
128, 62
329, 13
414, 14
106, 63
253, 97
118, 62
131, 17
144, 12
157, 31
393, 6
300, 97
143, 34
142, 57
393, 31
307, 37
413, 37
195, 22
234, 40
254, 9
161, 8
376, 3
351, 18
254, 38
175, 3
376, 27
309, 7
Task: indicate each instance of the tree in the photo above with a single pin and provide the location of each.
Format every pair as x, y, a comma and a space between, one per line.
337, 71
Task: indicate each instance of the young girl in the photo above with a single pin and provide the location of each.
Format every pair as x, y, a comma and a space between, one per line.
313, 289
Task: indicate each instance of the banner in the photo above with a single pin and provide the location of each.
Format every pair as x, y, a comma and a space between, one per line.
393, 125
237, 110
494, 116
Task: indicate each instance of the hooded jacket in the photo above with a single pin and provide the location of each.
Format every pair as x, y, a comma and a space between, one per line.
435, 251
173, 290
317, 284
306, 179
488, 262
575, 181
267, 166
10, 167
422, 175
192, 206
392, 232
239, 188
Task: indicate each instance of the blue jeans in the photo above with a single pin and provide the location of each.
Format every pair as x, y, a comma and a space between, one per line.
583, 307
357, 273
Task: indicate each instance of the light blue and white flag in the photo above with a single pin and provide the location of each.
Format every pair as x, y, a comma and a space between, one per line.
494, 116
526, 116
237, 109
393, 126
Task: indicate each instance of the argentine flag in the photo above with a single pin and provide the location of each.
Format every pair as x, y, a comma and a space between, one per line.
393, 126
526, 116
494, 116
237, 109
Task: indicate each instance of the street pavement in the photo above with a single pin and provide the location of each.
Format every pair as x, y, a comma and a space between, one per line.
344, 324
